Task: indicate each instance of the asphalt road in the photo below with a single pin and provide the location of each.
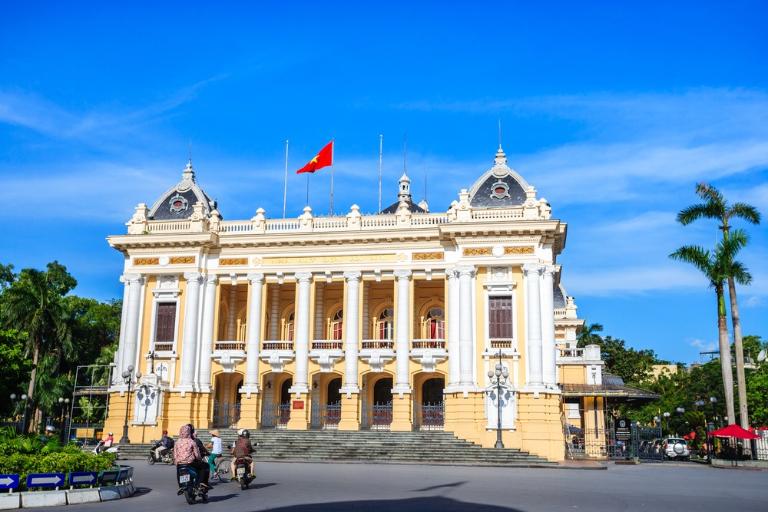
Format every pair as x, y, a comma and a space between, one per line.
304, 487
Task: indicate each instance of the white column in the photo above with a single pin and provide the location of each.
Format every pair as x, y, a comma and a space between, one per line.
465, 324
116, 379
300, 382
274, 312
351, 332
232, 311
549, 366
366, 312
206, 336
251, 383
532, 273
131, 339
319, 309
454, 354
189, 342
402, 340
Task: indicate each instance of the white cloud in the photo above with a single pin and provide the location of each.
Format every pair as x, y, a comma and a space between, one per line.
631, 279
703, 346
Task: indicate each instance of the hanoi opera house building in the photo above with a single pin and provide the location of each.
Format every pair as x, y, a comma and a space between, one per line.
389, 321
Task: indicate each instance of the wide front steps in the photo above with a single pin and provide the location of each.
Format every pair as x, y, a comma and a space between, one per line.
369, 446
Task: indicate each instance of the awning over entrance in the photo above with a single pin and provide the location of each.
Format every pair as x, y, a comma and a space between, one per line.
612, 387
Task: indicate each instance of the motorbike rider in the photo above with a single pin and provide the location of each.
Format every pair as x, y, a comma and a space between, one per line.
187, 451
243, 450
165, 444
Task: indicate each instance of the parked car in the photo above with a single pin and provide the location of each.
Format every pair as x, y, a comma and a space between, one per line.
676, 448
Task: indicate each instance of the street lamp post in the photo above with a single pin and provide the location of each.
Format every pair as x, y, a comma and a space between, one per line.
63, 403
128, 380
713, 401
666, 421
499, 379
24, 397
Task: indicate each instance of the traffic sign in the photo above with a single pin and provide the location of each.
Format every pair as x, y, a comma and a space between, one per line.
45, 479
9, 481
83, 478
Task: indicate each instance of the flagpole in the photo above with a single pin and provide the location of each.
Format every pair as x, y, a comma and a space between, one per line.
308, 187
381, 150
285, 180
332, 150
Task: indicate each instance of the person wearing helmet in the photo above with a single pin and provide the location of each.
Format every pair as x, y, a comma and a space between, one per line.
187, 450
243, 450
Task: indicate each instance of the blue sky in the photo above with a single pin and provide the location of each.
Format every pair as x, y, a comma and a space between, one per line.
613, 113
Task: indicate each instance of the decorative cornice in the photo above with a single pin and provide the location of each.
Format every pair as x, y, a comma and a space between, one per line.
519, 250
146, 261
228, 262
428, 256
477, 251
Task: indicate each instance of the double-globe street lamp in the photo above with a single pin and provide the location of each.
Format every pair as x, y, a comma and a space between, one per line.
499, 378
23, 398
64, 404
128, 380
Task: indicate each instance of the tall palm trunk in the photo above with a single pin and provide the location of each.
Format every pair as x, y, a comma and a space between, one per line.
31, 427
741, 380
725, 353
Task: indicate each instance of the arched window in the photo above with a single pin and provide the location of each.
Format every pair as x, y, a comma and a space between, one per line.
384, 324
288, 328
336, 330
434, 324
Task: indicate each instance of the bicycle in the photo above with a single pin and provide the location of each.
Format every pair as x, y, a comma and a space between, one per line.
222, 469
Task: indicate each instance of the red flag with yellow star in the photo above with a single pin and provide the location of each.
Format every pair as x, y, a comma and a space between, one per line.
323, 159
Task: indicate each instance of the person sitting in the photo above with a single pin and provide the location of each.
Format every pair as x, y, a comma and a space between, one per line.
187, 451
243, 450
105, 443
165, 444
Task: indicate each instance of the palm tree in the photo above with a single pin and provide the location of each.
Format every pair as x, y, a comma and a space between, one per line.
33, 304
717, 267
715, 206
588, 334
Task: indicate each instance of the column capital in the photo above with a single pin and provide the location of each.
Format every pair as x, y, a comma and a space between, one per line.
466, 270
549, 269
352, 275
403, 273
450, 273
211, 278
303, 277
193, 276
531, 268
256, 278
132, 278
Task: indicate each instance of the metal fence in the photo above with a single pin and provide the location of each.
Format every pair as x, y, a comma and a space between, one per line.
225, 414
377, 416
429, 416
645, 443
761, 445
275, 416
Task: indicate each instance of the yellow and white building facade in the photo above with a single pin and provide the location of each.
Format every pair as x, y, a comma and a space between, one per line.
388, 321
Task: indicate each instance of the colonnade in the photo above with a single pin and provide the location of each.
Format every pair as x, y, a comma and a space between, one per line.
461, 343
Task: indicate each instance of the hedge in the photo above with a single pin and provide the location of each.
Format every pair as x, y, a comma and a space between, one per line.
58, 462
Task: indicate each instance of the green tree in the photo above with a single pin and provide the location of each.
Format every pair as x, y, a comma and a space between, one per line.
16, 367
716, 267
34, 304
716, 207
588, 335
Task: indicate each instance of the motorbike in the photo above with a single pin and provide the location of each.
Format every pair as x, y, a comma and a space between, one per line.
189, 486
166, 458
99, 448
243, 473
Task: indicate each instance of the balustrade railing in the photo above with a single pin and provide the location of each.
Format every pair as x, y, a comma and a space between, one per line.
168, 226
428, 343
571, 352
378, 344
277, 345
163, 346
559, 313
327, 345
497, 214
502, 343
229, 345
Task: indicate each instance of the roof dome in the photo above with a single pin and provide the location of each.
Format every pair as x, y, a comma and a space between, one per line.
499, 187
176, 203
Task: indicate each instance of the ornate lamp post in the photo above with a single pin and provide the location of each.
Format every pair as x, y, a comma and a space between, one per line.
709, 426
666, 420
499, 379
128, 380
713, 401
24, 397
64, 404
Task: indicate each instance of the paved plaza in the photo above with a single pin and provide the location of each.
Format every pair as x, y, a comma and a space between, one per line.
303, 487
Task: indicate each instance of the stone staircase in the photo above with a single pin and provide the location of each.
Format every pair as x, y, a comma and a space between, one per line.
368, 446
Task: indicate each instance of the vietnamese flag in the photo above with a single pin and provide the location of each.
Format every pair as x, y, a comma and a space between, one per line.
323, 159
